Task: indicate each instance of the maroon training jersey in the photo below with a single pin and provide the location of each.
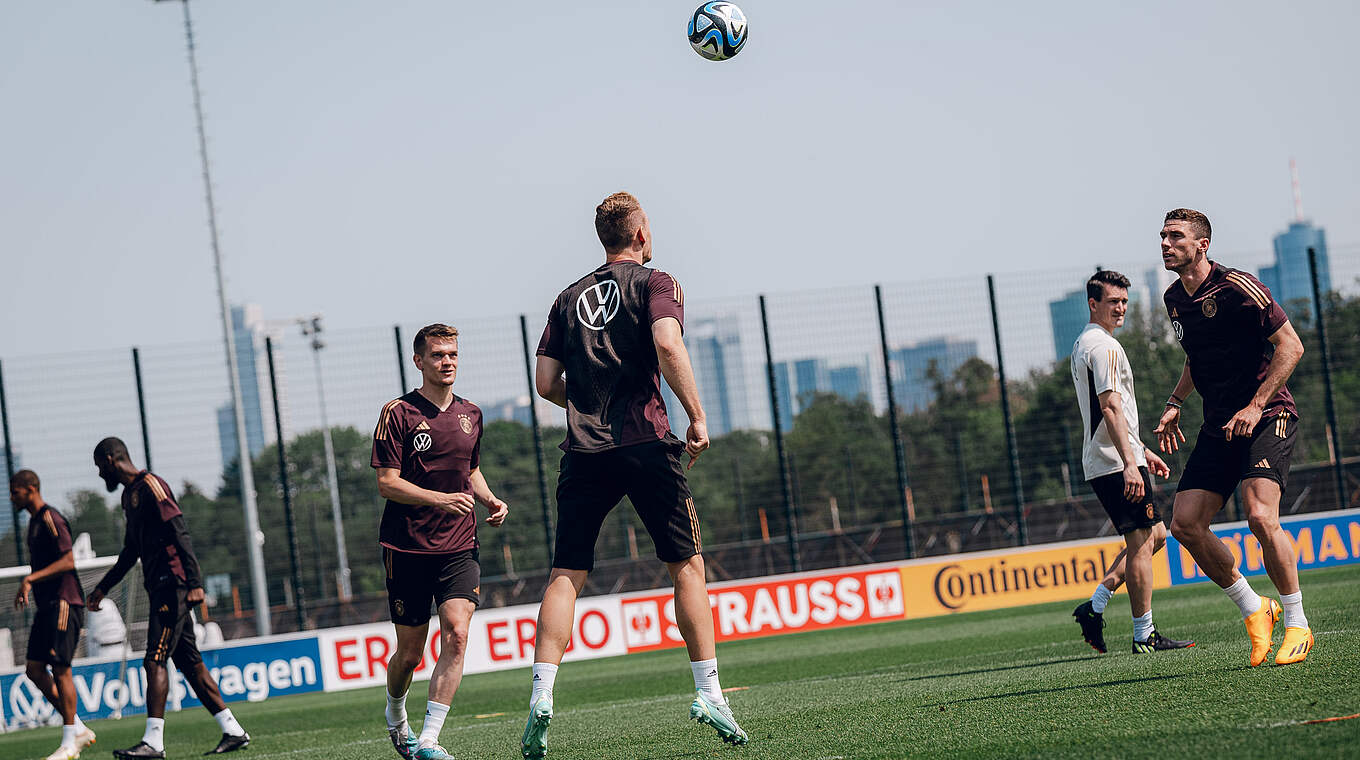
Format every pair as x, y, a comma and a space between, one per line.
1224, 329
434, 450
600, 328
49, 538
156, 534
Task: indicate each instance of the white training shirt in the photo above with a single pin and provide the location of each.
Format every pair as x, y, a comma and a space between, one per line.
1099, 365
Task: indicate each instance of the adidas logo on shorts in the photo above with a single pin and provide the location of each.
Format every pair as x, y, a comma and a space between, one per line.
1263, 465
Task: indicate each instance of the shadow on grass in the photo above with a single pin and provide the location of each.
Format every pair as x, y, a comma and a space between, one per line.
1000, 668
1057, 689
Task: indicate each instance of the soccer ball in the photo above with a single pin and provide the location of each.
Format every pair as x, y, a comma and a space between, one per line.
717, 31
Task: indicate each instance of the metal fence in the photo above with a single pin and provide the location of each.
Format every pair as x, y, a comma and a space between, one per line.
808, 468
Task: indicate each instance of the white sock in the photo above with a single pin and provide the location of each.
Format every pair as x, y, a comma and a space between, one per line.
80, 726
228, 722
1100, 598
1293, 610
68, 735
1142, 626
396, 710
434, 723
706, 679
545, 675
155, 734
1247, 600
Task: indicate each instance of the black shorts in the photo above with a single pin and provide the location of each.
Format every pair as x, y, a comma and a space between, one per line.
1126, 515
56, 632
650, 475
1218, 464
417, 582
170, 629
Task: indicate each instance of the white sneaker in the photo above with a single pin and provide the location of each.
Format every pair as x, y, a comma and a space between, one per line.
65, 752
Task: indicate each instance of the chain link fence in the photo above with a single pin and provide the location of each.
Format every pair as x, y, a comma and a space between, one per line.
805, 470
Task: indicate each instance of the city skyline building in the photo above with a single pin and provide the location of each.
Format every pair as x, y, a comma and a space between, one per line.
715, 351
1289, 280
912, 365
248, 329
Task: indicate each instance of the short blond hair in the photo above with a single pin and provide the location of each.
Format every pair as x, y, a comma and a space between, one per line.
617, 219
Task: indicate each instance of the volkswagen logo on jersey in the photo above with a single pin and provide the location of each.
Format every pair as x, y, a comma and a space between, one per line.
1180, 331
422, 442
598, 304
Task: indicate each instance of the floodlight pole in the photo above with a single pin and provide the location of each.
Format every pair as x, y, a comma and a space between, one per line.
311, 328
254, 537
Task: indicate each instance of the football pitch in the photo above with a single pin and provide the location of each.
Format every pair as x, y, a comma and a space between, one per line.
1005, 683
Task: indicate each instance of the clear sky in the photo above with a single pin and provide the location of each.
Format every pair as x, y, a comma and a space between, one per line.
405, 161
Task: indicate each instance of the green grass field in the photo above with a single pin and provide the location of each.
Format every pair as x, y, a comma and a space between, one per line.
1007, 683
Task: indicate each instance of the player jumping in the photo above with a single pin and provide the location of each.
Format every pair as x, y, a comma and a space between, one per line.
614, 333
1116, 462
427, 451
54, 589
156, 535
1239, 350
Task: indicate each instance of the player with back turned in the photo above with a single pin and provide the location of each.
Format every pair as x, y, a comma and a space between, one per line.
54, 590
613, 334
157, 536
1239, 350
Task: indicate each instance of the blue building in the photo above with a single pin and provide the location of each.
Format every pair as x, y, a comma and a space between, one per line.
849, 382
1288, 278
911, 368
247, 326
715, 351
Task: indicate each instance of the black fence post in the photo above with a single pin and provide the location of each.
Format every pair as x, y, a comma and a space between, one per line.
741, 496
794, 557
301, 596
141, 405
899, 454
538, 438
1338, 467
1021, 533
9, 469
401, 365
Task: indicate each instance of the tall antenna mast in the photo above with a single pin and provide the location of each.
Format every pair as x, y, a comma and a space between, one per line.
1298, 195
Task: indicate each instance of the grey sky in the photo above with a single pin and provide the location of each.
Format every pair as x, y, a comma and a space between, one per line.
410, 161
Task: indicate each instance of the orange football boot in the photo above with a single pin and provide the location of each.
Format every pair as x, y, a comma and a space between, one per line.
1295, 647
1260, 628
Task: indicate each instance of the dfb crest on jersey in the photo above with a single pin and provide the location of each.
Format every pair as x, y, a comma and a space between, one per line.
1209, 307
465, 423
598, 304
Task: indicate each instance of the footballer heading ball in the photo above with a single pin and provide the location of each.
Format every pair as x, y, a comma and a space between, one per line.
717, 31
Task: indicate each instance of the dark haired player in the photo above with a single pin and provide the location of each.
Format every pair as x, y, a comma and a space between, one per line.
156, 534
427, 451
1239, 350
54, 589
614, 333
1115, 461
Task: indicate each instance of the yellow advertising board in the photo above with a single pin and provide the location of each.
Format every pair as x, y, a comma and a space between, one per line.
1012, 577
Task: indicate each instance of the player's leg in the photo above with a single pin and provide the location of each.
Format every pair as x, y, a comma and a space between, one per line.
660, 494
458, 590
587, 489
1090, 614
410, 594
74, 731
160, 628
190, 663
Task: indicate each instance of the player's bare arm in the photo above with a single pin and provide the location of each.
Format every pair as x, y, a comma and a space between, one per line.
391, 485
550, 380
1112, 410
1168, 428
497, 508
673, 358
1288, 352
65, 564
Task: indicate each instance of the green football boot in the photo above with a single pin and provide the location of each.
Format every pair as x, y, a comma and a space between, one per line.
534, 744
719, 716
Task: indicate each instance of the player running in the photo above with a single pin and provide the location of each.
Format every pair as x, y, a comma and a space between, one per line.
54, 589
156, 534
427, 451
613, 333
1239, 350
1116, 462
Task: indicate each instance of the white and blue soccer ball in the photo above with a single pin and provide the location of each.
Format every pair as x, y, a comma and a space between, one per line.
717, 31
